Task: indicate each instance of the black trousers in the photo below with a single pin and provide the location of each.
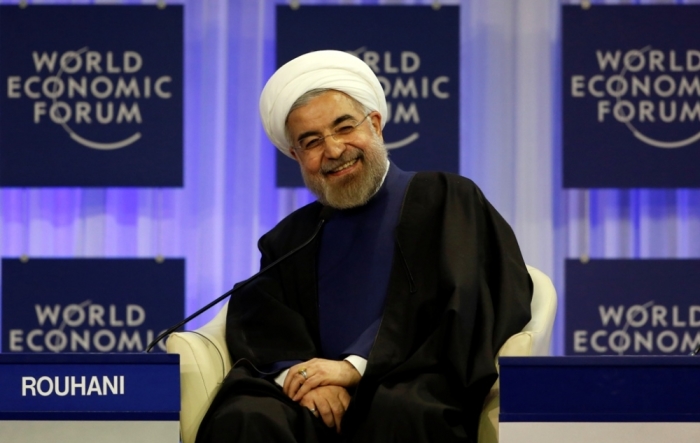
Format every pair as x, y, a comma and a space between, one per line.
249, 409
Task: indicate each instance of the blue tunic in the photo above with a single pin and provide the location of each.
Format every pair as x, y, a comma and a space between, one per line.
354, 263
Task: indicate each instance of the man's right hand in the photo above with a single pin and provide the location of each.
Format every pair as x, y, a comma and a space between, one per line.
328, 402
319, 372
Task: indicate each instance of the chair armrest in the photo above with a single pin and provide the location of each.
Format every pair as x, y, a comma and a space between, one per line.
518, 345
534, 339
204, 362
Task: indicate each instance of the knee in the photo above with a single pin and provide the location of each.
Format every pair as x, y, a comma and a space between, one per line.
250, 416
411, 413
403, 409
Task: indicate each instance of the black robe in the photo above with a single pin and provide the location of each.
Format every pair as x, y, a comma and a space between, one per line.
458, 289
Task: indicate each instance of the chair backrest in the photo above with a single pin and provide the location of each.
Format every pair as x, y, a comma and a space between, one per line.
534, 339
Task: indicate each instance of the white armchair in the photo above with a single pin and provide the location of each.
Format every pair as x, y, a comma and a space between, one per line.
205, 361
534, 339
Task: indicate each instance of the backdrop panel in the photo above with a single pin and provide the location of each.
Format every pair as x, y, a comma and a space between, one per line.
91, 96
89, 305
632, 307
631, 96
417, 66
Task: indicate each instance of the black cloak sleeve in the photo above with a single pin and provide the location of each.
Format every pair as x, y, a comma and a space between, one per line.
459, 288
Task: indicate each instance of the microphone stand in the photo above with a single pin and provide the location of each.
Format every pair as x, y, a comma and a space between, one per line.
325, 214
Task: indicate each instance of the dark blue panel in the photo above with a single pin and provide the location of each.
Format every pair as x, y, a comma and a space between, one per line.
89, 305
632, 307
615, 361
125, 58
599, 418
79, 383
654, 46
591, 389
426, 101
89, 358
91, 416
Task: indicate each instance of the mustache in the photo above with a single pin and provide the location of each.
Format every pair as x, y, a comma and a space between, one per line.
347, 156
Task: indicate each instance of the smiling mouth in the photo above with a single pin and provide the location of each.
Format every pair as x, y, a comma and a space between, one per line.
343, 166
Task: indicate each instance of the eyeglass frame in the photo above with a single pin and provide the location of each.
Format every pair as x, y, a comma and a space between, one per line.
333, 135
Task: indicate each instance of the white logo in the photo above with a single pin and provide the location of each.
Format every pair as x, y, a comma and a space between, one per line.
84, 327
403, 86
650, 327
76, 76
664, 94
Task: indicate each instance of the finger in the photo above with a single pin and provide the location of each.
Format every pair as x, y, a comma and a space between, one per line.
309, 404
338, 411
344, 398
324, 409
290, 376
311, 383
297, 382
294, 379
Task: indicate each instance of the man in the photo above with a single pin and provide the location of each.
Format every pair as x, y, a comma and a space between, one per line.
384, 327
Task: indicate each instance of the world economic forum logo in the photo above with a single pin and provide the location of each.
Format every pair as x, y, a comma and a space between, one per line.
654, 93
405, 87
86, 88
648, 328
84, 327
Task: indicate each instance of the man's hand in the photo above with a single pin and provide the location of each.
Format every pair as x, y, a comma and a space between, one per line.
328, 402
319, 372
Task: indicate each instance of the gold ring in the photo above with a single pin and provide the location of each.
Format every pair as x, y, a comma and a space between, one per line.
302, 372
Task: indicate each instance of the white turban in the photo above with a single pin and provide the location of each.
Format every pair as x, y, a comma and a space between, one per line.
317, 70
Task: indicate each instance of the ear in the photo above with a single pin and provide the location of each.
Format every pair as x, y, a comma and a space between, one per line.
293, 153
376, 121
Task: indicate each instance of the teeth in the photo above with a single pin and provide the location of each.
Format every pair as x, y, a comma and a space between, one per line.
344, 166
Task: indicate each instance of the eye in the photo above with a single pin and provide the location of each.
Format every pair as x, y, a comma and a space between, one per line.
311, 143
344, 129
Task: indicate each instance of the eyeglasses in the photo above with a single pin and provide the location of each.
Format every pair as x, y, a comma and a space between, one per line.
340, 133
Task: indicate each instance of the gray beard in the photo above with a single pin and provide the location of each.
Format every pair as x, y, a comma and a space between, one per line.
351, 191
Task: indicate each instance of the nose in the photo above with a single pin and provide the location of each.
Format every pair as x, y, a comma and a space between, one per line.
333, 148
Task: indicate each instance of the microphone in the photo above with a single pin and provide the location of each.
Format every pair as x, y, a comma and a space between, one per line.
324, 215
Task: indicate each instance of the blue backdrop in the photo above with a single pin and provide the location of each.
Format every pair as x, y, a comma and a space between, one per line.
631, 96
632, 307
510, 144
92, 97
89, 305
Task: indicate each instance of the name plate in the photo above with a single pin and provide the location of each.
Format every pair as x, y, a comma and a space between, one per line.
661, 388
599, 399
89, 386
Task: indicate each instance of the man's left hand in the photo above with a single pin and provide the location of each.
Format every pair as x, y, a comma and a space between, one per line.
319, 372
329, 403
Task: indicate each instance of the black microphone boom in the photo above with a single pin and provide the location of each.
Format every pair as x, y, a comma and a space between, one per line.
325, 213
696, 351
